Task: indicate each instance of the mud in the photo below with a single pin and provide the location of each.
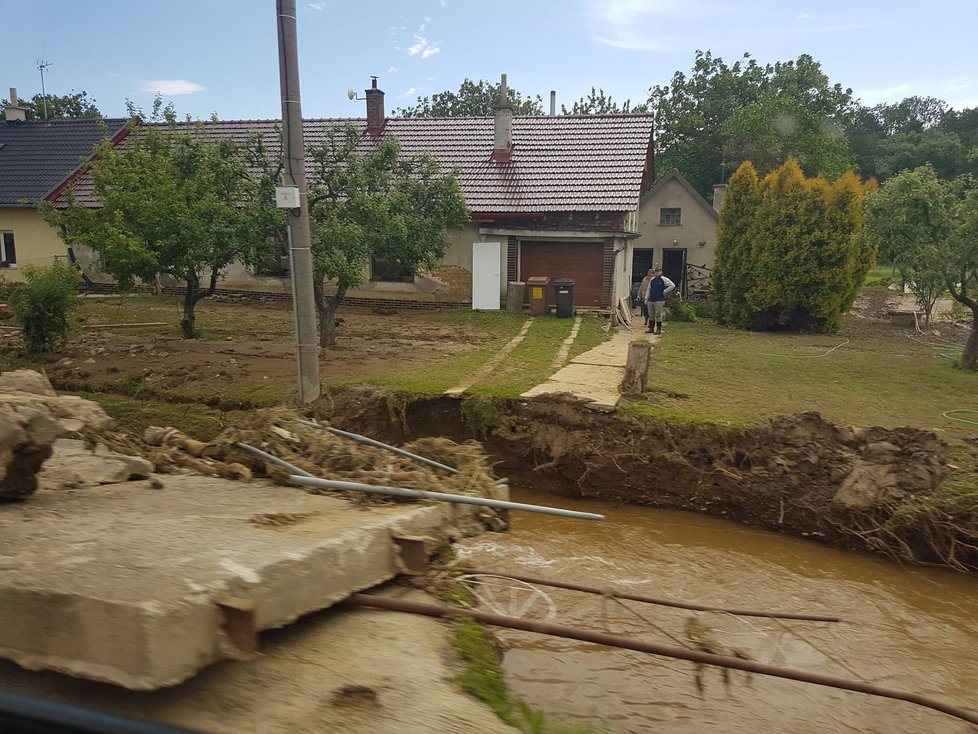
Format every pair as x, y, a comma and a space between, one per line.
801, 475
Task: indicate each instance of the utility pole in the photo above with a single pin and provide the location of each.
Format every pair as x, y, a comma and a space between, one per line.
294, 175
42, 66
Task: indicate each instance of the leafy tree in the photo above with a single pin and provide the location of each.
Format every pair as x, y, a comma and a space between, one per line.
911, 115
717, 114
789, 256
173, 202
961, 263
43, 303
598, 103
931, 227
471, 100
370, 204
732, 274
72, 106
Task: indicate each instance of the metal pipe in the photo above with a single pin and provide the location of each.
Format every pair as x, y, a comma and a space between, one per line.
652, 600
380, 445
462, 499
626, 643
275, 460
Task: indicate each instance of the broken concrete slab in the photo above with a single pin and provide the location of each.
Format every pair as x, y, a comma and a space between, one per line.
73, 464
124, 583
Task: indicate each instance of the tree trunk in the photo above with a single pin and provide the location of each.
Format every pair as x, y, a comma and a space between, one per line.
969, 358
326, 310
190, 299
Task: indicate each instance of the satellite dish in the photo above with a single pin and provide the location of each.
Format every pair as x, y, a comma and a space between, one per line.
351, 93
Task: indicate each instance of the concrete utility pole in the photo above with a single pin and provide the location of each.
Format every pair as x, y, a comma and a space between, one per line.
300, 241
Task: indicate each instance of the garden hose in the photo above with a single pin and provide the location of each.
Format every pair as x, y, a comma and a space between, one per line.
947, 414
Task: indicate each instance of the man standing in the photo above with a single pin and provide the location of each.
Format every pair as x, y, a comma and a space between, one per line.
659, 287
642, 292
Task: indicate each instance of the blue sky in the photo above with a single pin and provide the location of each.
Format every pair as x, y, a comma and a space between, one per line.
221, 55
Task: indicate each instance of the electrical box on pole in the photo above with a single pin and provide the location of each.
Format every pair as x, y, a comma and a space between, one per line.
287, 197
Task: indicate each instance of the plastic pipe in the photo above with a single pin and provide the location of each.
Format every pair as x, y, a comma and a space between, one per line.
462, 499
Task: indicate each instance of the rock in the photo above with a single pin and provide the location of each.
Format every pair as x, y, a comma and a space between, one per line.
32, 417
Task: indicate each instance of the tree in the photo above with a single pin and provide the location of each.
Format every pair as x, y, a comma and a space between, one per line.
471, 100
789, 255
372, 204
731, 277
598, 103
716, 115
931, 227
72, 106
961, 265
173, 202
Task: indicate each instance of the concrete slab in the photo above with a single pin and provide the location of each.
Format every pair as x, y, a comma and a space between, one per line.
124, 583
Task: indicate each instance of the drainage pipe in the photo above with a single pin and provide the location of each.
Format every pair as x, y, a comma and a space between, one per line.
462, 499
649, 599
695, 656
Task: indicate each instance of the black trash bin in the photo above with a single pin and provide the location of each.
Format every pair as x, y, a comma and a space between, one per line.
564, 292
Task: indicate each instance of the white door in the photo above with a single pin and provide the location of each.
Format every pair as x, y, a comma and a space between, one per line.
486, 291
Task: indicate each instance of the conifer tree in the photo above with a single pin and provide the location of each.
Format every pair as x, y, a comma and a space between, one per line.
731, 276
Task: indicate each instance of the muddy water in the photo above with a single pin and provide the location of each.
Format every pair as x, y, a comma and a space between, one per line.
910, 629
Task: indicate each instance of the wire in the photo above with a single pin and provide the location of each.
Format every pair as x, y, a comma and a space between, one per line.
766, 354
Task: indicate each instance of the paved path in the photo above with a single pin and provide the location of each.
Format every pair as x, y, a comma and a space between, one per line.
596, 374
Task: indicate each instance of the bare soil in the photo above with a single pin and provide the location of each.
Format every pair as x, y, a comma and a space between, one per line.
247, 345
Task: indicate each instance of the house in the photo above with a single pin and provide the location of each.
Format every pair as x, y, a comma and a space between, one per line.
678, 232
554, 196
36, 159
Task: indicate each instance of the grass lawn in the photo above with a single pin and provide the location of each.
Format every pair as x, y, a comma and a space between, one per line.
861, 376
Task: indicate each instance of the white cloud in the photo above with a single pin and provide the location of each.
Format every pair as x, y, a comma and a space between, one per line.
441, 3
423, 46
804, 16
889, 94
172, 87
317, 6
637, 24
409, 92
391, 69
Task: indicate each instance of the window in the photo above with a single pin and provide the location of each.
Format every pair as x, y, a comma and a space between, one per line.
8, 254
670, 217
382, 268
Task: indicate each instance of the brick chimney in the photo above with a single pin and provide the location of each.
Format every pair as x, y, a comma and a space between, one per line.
375, 109
719, 192
502, 151
13, 111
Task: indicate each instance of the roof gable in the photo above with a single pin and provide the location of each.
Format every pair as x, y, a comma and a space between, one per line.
38, 155
674, 175
568, 163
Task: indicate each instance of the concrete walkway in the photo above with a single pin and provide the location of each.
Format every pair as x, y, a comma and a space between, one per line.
596, 374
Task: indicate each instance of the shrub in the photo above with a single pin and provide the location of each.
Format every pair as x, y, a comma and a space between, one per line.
682, 311
705, 309
42, 304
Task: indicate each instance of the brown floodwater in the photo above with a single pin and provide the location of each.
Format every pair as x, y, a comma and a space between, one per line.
910, 629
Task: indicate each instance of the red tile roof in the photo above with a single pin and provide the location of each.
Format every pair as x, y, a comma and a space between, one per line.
568, 163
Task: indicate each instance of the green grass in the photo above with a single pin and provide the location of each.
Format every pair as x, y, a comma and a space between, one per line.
483, 678
704, 372
133, 416
531, 362
881, 271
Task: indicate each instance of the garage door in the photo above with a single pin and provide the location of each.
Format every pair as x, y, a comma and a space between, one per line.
581, 261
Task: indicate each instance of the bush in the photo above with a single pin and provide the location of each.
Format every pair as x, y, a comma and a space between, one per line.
41, 305
705, 309
681, 311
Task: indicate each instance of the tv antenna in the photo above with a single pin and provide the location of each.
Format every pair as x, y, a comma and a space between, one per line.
42, 66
